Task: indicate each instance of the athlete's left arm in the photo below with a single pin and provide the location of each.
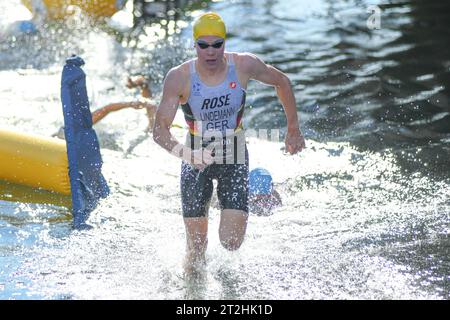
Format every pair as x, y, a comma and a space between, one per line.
256, 69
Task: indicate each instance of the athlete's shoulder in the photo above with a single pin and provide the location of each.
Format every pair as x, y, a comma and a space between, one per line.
246, 61
244, 55
176, 78
181, 70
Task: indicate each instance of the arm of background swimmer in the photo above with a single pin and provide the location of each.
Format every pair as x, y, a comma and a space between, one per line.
277, 198
99, 114
145, 92
150, 112
165, 115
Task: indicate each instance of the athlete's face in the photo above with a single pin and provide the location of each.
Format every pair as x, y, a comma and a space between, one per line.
210, 51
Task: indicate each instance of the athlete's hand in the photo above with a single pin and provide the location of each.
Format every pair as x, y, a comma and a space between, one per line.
295, 142
201, 158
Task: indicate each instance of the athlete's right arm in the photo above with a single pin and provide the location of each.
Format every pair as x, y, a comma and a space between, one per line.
165, 114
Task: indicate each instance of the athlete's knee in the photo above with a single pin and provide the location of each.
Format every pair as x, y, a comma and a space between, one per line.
231, 243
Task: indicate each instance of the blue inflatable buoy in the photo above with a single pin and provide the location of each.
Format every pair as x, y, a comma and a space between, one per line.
87, 183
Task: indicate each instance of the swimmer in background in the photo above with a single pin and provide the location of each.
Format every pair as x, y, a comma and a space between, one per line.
263, 198
132, 82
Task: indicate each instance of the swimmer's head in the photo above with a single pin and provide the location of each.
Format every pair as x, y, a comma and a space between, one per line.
260, 182
209, 24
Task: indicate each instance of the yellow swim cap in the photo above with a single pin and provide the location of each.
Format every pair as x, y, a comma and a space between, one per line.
209, 24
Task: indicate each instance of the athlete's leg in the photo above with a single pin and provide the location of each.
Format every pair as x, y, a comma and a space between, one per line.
232, 192
233, 224
196, 242
196, 192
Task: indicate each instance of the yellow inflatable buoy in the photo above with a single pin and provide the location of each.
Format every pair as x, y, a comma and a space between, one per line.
35, 161
60, 9
11, 192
